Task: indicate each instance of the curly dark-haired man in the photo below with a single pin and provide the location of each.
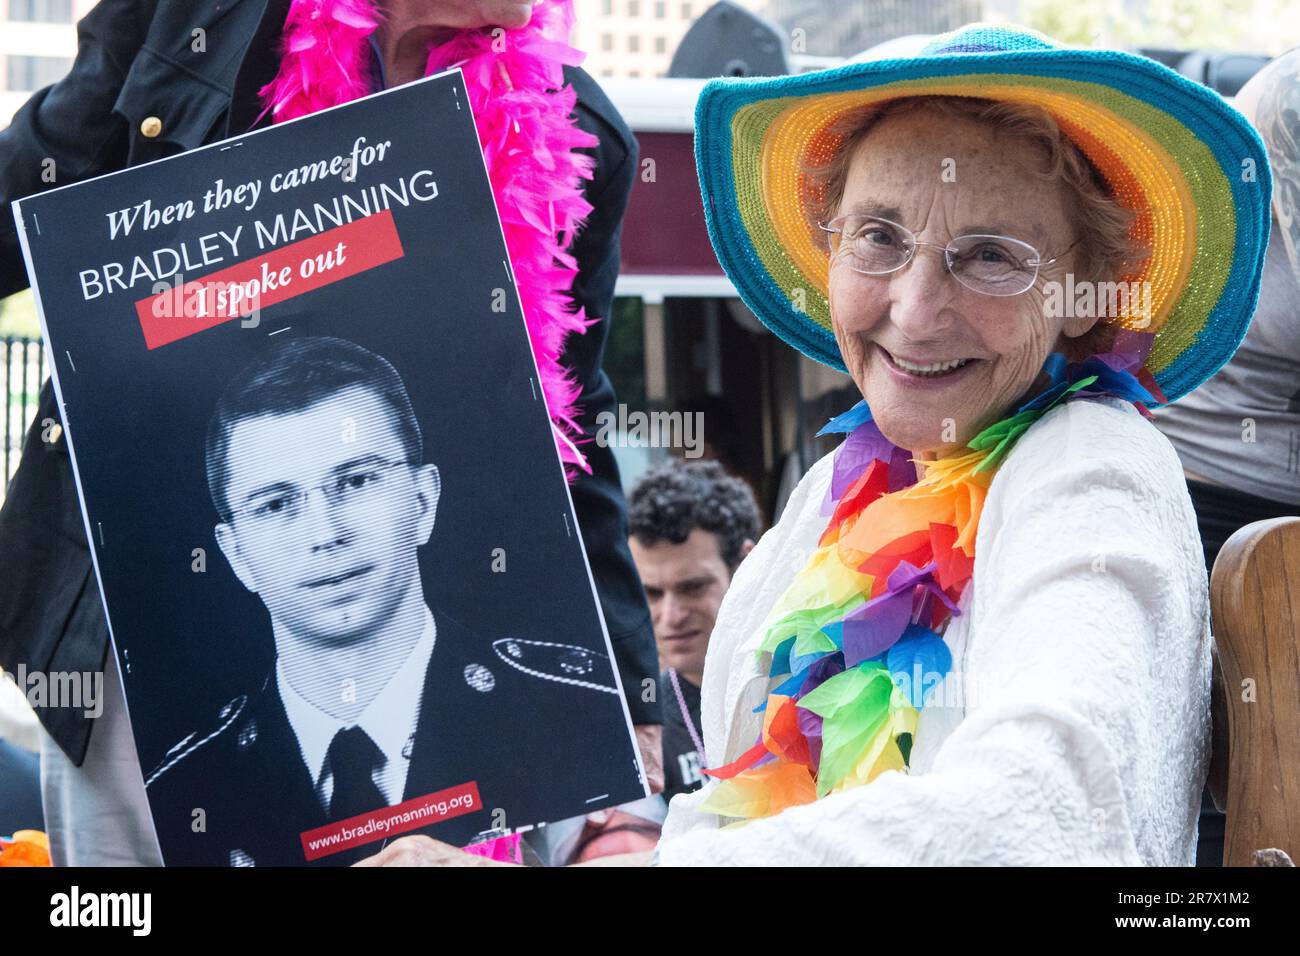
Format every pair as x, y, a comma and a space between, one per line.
690, 524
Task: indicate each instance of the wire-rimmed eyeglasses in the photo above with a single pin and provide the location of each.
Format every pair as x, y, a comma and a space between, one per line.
351, 485
990, 265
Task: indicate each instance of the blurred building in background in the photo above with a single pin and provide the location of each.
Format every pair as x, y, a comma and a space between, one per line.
847, 27
635, 38
38, 41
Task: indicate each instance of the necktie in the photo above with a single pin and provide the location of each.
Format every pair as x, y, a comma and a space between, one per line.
353, 757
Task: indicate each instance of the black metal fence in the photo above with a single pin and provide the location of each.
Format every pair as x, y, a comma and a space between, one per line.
24, 373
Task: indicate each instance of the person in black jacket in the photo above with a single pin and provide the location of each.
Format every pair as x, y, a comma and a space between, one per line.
156, 77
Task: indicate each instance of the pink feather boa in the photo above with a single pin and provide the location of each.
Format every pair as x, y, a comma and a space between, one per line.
523, 112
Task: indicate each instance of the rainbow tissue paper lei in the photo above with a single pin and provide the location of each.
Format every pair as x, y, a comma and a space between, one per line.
866, 612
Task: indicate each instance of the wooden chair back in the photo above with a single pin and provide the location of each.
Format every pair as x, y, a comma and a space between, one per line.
1255, 772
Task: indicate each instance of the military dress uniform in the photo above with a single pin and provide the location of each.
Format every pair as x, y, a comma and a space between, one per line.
529, 743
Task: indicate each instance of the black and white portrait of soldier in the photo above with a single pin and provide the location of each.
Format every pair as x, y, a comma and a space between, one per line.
316, 467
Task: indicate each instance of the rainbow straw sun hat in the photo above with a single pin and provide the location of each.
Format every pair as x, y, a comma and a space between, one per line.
1186, 163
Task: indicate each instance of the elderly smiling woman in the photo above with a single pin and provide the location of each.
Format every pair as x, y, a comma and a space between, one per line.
979, 633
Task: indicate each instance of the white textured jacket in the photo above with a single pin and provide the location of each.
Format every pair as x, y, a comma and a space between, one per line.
1074, 725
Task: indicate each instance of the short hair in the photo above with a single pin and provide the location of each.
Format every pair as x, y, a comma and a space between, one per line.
292, 376
676, 497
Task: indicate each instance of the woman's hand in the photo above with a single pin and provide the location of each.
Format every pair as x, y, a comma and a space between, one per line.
425, 851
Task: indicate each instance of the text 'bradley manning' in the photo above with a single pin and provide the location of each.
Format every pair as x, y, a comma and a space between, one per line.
206, 251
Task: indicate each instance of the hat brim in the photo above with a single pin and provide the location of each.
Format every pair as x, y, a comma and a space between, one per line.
1189, 166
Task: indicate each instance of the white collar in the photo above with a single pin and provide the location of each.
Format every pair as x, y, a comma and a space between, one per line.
390, 721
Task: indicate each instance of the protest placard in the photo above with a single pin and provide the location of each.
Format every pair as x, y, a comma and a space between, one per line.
339, 560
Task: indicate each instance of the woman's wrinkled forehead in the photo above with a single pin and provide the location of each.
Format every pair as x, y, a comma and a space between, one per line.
977, 179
